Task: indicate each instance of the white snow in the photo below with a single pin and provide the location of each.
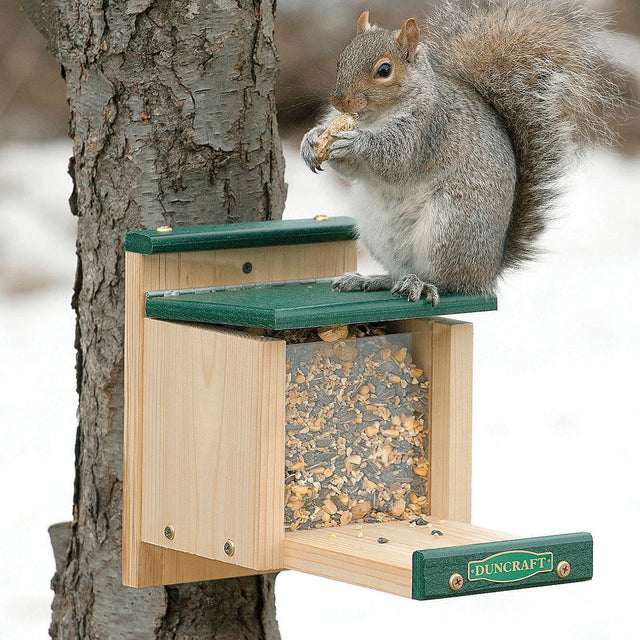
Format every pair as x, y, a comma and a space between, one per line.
555, 412
37, 378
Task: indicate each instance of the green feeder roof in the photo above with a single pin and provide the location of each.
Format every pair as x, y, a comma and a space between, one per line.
295, 305
241, 234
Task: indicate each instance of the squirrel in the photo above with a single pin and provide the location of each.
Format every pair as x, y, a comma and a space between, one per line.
460, 138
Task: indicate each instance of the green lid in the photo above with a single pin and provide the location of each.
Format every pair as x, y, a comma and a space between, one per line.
297, 305
241, 234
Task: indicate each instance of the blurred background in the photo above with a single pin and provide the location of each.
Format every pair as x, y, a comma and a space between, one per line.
556, 367
309, 37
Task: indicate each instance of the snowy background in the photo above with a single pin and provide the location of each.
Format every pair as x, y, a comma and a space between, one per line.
555, 412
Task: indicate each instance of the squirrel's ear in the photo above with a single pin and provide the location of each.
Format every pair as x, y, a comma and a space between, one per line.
408, 38
363, 23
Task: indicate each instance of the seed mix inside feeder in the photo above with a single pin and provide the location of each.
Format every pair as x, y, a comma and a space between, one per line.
356, 430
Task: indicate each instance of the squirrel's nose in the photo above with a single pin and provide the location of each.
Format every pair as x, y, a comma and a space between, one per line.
343, 103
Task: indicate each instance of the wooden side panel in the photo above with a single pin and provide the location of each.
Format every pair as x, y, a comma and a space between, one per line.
352, 553
213, 444
450, 418
145, 564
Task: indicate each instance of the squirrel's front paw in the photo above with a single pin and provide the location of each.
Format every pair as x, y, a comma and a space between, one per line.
414, 288
346, 144
307, 149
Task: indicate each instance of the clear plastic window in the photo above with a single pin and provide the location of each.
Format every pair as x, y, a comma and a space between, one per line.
356, 432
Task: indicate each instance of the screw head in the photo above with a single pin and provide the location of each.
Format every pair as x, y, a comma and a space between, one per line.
456, 581
229, 547
169, 532
247, 267
321, 217
563, 569
164, 229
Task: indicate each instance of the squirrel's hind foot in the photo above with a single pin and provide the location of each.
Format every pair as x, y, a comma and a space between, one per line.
357, 282
414, 288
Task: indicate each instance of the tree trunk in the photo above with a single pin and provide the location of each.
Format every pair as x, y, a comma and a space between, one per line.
173, 122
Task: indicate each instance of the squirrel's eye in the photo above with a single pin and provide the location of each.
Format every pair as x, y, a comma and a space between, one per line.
384, 70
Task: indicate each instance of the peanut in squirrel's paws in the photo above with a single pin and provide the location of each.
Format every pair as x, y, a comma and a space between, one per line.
357, 282
414, 288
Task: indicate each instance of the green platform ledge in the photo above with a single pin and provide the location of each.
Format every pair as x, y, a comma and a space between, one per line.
295, 306
242, 234
503, 565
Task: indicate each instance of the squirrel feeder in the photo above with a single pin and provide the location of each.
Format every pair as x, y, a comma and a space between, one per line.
235, 444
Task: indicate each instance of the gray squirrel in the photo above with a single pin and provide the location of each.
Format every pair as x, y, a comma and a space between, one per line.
460, 137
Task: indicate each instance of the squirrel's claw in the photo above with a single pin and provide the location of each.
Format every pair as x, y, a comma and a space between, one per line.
351, 134
414, 288
307, 151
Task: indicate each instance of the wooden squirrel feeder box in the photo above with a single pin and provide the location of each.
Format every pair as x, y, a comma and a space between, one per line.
272, 423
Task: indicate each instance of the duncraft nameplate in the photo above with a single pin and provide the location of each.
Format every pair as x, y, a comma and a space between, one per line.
510, 566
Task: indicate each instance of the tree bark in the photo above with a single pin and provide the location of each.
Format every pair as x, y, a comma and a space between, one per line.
173, 122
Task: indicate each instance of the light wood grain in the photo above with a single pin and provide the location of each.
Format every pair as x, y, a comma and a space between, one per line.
213, 443
158, 566
224, 266
450, 419
145, 564
339, 553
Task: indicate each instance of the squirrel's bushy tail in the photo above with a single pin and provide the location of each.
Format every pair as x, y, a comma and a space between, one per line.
542, 65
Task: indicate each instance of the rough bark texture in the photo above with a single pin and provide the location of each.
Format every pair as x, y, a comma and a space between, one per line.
173, 122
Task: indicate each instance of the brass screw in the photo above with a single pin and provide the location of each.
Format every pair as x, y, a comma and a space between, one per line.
164, 229
321, 217
169, 532
456, 581
229, 547
563, 569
